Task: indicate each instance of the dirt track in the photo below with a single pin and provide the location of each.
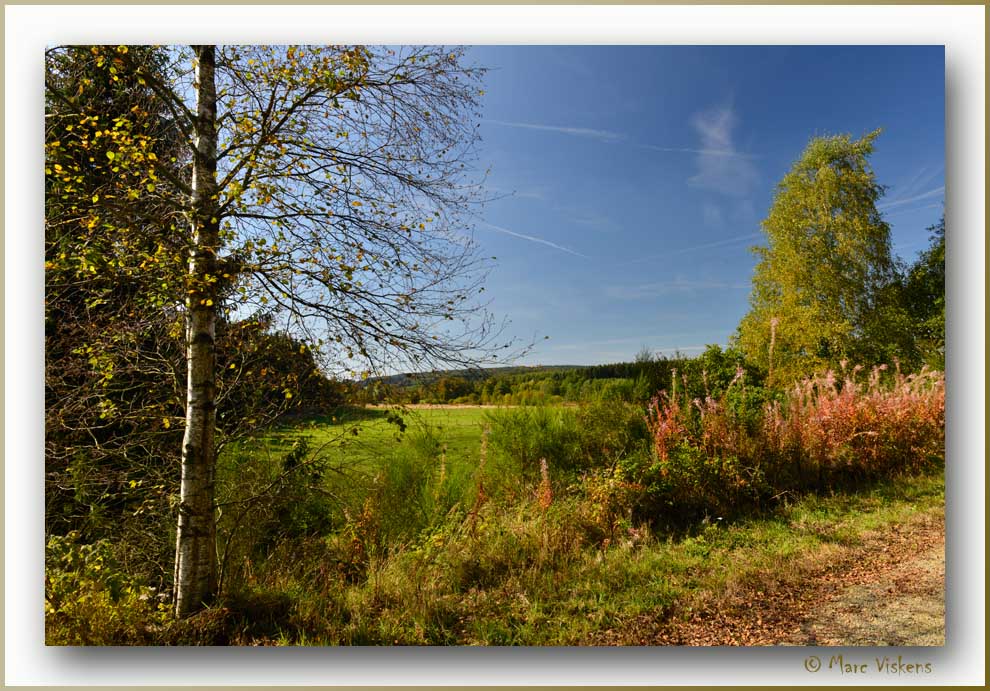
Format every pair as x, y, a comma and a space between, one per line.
890, 590
900, 601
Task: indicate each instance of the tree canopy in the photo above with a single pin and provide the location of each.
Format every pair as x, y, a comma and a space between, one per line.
317, 192
824, 288
924, 291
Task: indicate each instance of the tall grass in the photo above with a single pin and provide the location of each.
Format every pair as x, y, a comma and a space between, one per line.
839, 425
709, 456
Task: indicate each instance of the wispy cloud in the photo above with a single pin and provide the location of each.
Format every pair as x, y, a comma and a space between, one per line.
712, 215
914, 210
571, 61
937, 192
659, 288
601, 135
592, 220
532, 238
711, 147
720, 167
919, 181
703, 152
634, 340
734, 240
531, 193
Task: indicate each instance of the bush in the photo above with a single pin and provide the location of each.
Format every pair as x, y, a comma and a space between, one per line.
416, 486
830, 429
611, 502
526, 435
90, 601
609, 431
570, 439
267, 498
692, 485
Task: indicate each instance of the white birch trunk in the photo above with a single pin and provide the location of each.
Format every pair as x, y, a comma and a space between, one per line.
195, 554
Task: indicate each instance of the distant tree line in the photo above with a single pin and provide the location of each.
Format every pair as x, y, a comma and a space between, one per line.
631, 382
142, 270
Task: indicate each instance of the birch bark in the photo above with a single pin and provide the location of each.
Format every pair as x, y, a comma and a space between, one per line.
195, 554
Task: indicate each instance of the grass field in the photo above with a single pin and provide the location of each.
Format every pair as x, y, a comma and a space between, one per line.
362, 437
412, 465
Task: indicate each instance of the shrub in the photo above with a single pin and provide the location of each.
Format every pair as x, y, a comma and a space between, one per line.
267, 498
525, 435
611, 501
90, 601
609, 431
692, 485
414, 486
570, 439
831, 428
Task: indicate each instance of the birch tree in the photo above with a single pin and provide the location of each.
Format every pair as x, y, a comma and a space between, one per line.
327, 189
822, 289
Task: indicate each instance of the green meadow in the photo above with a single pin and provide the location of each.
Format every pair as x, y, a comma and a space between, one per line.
362, 437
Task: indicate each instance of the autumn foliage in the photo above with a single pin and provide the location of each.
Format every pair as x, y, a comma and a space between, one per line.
839, 425
711, 456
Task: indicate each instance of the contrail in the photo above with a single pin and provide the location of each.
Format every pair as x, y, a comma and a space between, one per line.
704, 152
604, 135
918, 197
682, 250
608, 136
531, 238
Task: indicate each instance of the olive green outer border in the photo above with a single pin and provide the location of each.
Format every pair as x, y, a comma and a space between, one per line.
470, 2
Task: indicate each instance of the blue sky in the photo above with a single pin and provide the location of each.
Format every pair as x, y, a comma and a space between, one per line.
630, 182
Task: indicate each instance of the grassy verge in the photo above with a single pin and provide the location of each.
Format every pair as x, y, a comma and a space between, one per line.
556, 527
522, 575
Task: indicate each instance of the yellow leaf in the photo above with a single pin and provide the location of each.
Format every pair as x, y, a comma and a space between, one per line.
355, 203
166, 422
111, 155
151, 188
96, 198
